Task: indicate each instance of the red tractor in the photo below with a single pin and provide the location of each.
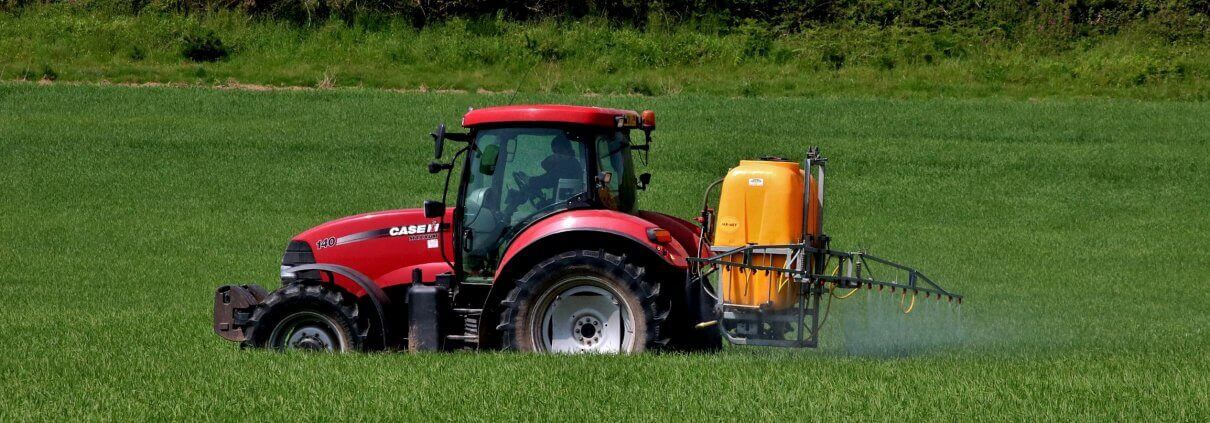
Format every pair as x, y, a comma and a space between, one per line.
544, 249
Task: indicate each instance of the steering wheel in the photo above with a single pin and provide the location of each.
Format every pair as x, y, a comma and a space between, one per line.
522, 181
524, 186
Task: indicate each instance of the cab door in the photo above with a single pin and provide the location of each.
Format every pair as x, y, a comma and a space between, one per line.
515, 176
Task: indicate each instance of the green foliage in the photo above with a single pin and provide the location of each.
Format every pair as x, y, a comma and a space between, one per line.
757, 39
1056, 19
204, 46
1077, 230
592, 56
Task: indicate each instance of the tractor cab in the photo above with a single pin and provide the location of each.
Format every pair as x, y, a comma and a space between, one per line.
524, 163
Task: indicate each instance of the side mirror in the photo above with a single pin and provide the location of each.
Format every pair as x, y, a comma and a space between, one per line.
644, 179
433, 209
436, 167
488, 158
438, 141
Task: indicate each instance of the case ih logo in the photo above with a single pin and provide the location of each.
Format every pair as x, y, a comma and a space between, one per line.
413, 229
414, 233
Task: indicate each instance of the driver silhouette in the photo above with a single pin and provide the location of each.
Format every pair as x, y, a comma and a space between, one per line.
561, 165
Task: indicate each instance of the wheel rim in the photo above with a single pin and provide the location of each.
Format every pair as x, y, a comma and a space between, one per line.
308, 331
582, 315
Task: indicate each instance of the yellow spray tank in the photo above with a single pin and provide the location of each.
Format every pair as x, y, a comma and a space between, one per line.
761, 202
773, 262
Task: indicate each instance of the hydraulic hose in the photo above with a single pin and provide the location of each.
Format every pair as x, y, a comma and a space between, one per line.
703, 241
706, 196
827, 311
832, 292
841, 297
911, 306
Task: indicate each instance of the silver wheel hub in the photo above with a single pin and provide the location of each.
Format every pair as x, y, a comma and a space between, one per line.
581, 315
587, 330
310, 338
307, 331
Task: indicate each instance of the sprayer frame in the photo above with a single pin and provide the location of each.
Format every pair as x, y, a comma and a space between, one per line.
805, 264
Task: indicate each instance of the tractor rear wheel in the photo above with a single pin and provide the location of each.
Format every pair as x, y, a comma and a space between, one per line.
584, 302
307, 316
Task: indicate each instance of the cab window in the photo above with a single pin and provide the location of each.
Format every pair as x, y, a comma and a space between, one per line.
613, 156
516, 175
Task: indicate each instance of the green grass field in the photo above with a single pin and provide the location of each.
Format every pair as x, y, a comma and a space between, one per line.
1077, 229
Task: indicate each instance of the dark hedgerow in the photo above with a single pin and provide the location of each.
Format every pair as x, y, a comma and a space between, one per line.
834, 58
203, 47
1060, 19
48, 73
136, 54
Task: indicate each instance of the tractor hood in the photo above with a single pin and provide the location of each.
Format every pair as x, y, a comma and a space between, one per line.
384, 246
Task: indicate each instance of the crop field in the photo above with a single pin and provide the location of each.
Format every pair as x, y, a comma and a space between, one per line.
1077, 229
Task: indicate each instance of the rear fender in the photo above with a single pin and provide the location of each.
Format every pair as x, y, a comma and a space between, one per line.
608, 222
686, 233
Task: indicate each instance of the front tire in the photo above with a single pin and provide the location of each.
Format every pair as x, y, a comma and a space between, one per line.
307, 316
584, 302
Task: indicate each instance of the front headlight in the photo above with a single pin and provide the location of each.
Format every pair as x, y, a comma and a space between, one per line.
297, 253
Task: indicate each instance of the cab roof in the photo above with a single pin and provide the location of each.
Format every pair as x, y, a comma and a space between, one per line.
547, 113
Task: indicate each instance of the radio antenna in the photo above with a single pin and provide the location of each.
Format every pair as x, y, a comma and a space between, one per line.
517, 89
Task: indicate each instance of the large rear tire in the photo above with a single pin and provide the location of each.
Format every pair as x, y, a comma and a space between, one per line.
584, 301
307, 316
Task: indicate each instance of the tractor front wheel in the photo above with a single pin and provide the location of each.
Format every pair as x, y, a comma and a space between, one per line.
306, 316
584, 302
